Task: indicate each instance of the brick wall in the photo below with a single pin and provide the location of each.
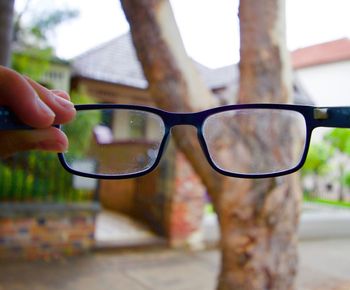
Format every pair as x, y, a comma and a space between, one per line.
187, 204
46, 231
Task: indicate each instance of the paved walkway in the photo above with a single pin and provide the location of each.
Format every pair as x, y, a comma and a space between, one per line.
325, 265
117, 230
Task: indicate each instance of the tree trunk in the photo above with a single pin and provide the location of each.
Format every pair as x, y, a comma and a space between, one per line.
258, 218
173, 81
6, 24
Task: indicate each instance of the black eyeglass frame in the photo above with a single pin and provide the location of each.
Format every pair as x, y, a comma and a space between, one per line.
333, 117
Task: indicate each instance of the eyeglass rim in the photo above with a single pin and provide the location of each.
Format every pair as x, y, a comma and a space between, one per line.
171, 119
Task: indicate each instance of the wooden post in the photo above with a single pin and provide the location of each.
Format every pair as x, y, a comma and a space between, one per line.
6, 27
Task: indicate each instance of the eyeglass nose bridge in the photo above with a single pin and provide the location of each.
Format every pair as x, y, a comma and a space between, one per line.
186, 119
195, 120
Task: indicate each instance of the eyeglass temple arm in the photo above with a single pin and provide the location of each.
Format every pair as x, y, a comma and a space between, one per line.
9, 121
333, 117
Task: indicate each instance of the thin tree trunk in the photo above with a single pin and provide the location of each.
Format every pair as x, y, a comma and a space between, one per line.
342, 187
258, 219
6, 26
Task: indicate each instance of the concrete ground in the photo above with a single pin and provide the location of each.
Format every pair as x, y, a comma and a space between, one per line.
324, 262
324, 265
119, 231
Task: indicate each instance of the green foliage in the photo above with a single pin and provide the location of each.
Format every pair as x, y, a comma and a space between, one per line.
33, 51
38, 176
32, 62
209, 208
321, 153
79, 130
336, 143
340, 139
318, 157
346, 179
336, 203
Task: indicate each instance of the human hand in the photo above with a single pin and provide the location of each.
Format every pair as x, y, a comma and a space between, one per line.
37, 107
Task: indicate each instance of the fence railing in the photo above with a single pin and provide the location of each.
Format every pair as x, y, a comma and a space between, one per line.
38, 177
326, 190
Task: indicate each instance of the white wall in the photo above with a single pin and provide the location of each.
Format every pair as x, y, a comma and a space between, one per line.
58, 76
328, 84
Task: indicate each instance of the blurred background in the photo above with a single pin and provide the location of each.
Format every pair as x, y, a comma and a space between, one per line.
86, 49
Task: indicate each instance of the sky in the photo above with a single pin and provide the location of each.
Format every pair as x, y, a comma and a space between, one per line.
209, 28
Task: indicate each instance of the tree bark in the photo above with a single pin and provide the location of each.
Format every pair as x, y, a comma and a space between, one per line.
265, 71
173, 80
258, 218
6, 26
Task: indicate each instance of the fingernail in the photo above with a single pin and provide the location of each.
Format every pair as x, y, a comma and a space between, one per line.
44, 108
64, 103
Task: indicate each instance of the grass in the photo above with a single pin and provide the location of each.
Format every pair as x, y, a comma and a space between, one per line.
209, 209
341, 204
328, 202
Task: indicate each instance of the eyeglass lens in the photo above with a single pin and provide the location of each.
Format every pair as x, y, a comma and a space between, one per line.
255, 141
113, 141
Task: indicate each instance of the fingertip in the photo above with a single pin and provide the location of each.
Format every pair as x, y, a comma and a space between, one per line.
56, 101
56, 141
61, 94
44, 116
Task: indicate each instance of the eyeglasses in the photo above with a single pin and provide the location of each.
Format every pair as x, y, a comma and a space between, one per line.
249, 141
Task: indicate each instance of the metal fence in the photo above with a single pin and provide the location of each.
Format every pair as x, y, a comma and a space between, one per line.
38, 177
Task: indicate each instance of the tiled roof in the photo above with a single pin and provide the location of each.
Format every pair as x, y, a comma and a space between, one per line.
116, 62
219, 77
322, 53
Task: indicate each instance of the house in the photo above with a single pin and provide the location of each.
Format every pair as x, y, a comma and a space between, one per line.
112, 73
58, 75
323, 71
52, 73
